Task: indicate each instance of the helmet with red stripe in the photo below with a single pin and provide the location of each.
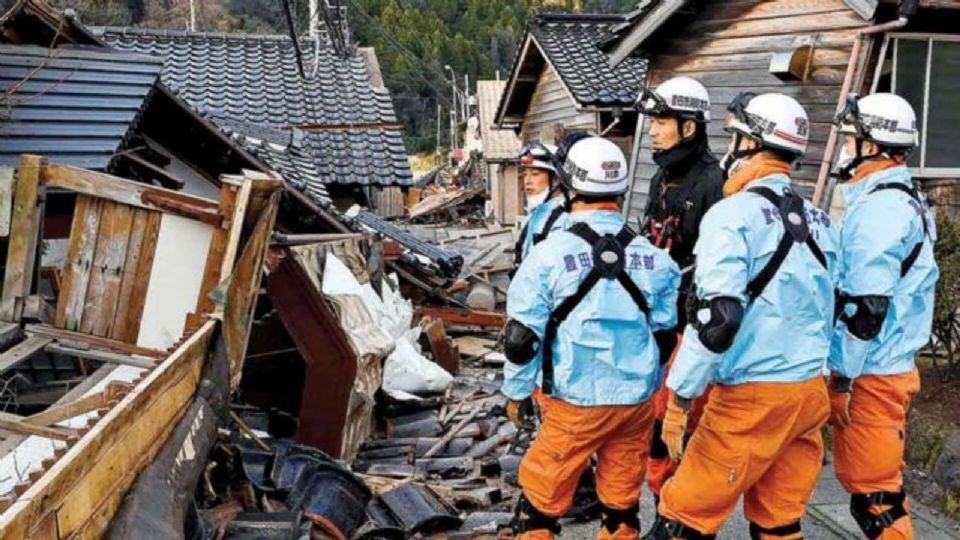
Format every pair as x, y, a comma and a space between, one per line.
773, 120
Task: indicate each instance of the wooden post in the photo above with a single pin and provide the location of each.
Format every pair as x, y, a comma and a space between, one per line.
24, 235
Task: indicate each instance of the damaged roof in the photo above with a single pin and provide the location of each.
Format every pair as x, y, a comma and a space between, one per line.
498, 144
253, 80
571, 45
74, 106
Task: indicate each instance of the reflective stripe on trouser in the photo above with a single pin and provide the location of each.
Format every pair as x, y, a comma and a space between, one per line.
759, 440
868, 454
659, 465
569, 436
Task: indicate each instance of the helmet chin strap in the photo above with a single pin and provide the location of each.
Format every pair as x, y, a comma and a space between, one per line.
847, 172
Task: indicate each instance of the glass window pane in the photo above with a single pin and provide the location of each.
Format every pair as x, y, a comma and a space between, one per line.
944, 114
910, 83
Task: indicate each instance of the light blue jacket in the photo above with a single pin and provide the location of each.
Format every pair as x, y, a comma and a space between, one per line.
877, 233
785, 332
604, 353
537, 220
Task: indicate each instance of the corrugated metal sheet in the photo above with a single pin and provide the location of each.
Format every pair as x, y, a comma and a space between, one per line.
74, 106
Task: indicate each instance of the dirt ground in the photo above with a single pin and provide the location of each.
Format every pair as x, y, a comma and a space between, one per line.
937, 398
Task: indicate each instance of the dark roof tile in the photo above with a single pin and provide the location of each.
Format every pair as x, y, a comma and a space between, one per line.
75, 106
254, 80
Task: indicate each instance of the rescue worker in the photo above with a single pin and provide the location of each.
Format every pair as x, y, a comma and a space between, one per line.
884, 306
759, 328
686, 185
545, 203
582, 312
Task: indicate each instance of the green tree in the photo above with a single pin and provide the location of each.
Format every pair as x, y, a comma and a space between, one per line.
946, 323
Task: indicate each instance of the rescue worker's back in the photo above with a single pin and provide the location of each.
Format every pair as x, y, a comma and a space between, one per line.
604, 353
738, 238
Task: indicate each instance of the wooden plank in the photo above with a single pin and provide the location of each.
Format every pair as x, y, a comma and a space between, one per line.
103, 288
102, 356
106, 460
216, 257
7, 183
798, 24
131, 193
244, 288
59, 413
135, 276
73, 338
16, 424
692, 44
464, 316
752, 10
22, 350
24, 233
76, 270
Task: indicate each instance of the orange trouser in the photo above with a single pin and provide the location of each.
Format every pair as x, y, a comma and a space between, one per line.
868, 453
659, 465
569, 436
760, 440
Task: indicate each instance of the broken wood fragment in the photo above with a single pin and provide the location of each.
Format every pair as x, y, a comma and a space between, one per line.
21, 351
248, 431
17, 424
102, 356
487, 319
79, 339
59, 413
445, 355
453, 432
24, 235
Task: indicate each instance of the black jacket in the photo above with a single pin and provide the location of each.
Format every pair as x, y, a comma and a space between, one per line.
687, 184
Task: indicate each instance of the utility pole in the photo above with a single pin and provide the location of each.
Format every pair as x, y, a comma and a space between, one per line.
466, 96
438, 128
313, 19
193, 16
453, 107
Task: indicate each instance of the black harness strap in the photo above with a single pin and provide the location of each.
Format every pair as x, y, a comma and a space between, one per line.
604, 267
518, 253
794, 233
872, 524
548, 225
914, 254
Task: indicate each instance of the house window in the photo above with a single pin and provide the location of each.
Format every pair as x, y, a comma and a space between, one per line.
925, 70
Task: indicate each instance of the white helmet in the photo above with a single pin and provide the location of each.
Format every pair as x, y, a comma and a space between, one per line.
595, 166
773, 120
538, 156
884, 119
681, 97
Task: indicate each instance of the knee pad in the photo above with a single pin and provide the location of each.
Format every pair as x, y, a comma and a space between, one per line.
527, 518
784, 531
667, 529
611, 518
873, 524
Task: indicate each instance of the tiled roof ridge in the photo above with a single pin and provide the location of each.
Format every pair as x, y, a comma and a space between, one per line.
198, 35
584, 18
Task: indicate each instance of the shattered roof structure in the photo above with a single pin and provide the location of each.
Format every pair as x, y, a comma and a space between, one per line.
498, 144
571, 45
75, 106
251, 81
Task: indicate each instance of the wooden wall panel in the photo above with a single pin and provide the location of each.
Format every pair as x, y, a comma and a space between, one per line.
24, 235
728, 47
550, 105
76, 270
135, 276
110, 254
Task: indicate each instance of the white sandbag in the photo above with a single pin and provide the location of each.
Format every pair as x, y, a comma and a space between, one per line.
356, 316
406, 370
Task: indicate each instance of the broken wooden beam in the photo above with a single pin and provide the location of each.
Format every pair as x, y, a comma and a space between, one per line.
17, 424
59, 413
444, 354
105, 186
79, 340
24, 234
21, 351
488, 319
102, 356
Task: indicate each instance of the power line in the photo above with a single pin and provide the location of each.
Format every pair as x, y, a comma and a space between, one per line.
392, 40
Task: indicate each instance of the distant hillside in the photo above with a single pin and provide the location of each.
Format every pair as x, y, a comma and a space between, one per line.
414, 39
